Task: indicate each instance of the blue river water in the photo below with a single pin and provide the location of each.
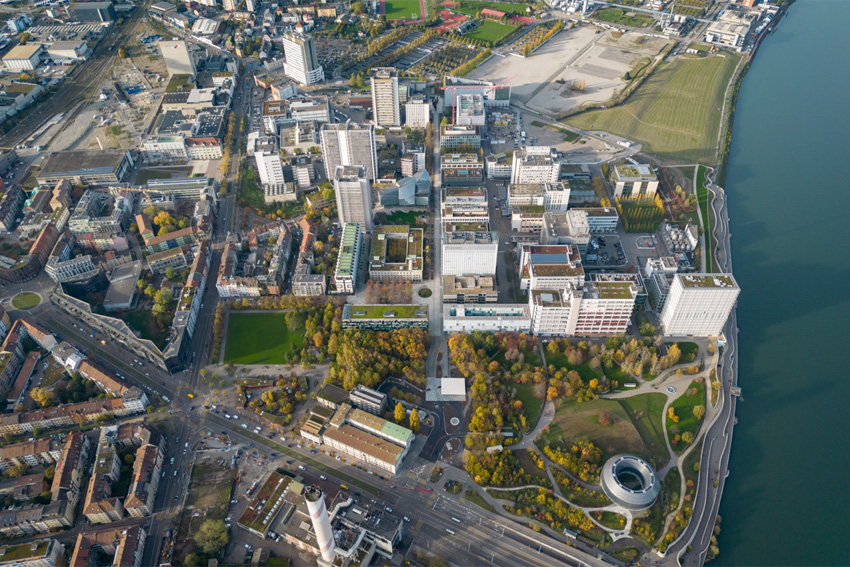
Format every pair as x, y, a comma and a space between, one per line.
787, 500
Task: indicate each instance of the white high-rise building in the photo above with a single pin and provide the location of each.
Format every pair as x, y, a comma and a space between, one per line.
349, 144
699, 304
270, 169
417, 112
229, 5
177, 58
301, 61
385, 104
353, 196
469, 253
597, 309
534, 164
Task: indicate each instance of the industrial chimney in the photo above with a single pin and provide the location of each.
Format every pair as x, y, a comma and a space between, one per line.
321, 522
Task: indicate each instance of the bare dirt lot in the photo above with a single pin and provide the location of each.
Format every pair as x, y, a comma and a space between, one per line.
577, 66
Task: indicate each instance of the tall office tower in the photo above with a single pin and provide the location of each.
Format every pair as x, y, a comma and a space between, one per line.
301, 62
178, 60
249, 5
417, 112
229, 5
353, 196
534, 164
349, 144
699, 304
321, 522
385, 103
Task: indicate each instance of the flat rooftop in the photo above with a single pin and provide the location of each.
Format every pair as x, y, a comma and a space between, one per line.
708, 280
389, 312
639, 171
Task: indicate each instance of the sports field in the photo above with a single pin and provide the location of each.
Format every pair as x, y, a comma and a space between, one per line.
491, 32
675, 114
471, 8
402, 9
260, 338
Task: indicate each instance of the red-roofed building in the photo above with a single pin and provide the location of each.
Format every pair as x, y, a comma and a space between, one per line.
488, 13
523, 19
451, 24
445, 13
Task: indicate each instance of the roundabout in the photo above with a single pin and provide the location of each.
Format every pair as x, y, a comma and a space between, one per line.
630, 482
26, 300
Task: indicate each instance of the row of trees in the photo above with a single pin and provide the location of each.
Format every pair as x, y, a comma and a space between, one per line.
532, 44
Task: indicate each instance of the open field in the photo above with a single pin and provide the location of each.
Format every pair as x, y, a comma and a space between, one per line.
675, 114
624, 17
402, 9
645, 412
259, 338
490, 31
26, 300
574, 421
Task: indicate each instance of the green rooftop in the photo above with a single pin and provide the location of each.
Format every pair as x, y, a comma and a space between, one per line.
615, 290
708, 280
24, 551
389, 311
180, 83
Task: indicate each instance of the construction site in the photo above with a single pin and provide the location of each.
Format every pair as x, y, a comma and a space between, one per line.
577, 66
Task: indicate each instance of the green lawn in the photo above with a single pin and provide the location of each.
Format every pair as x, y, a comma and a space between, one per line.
402, 9
645, 411
624, 17
684, 408
475, 498
140, 320
490, 31
702, 198
26, 300
531, 403
675, 114
259, 338
576, 421
470, 8
689, 351
527, 464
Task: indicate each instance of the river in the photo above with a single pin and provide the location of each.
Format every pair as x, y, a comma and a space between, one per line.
787, 500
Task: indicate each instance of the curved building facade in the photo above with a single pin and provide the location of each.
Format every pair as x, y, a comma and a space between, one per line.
630, 482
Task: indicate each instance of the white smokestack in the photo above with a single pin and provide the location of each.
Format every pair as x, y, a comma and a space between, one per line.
321, 522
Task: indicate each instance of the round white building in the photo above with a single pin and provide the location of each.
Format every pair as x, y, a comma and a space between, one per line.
630, 482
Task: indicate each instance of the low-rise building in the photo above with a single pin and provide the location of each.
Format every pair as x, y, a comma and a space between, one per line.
460, 138
464, 205
384, 317
397, 253
369, 400
469, 289
554, 197
332, 396
126, 545
39, 553
549, 267
634, 180
24, 57
86, 167
601, 220
535, 164
461, 169
121, 293
566, 228
469, 252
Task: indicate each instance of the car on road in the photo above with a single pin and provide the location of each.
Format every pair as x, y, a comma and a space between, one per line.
323, 477
301, 467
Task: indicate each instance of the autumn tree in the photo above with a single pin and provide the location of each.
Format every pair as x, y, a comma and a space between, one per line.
699, 411
212, 537
42, 396
414, 420
399, 412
